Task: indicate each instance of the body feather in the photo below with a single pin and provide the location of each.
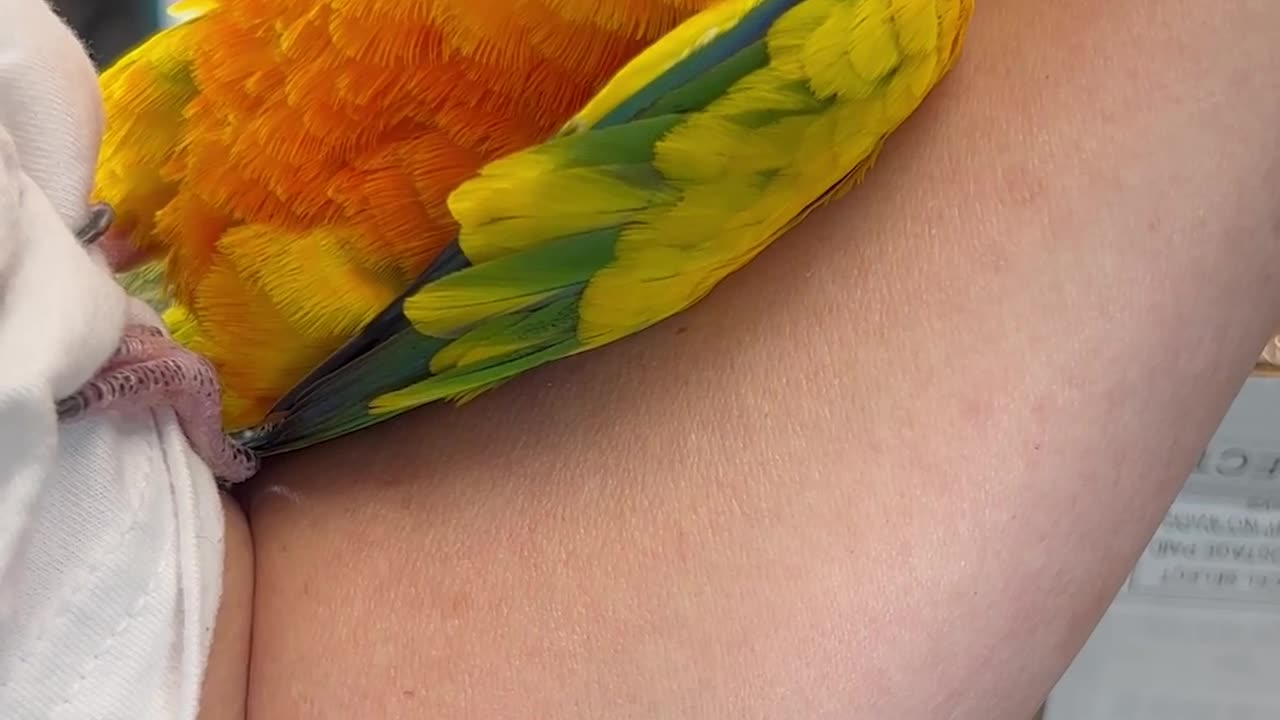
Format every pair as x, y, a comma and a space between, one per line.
287, 164
686, 165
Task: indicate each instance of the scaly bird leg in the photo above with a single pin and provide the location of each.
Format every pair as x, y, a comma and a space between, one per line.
150, 370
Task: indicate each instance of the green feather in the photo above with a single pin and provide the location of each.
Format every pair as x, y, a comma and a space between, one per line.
337, 404
535, 292
147, 283
710, 85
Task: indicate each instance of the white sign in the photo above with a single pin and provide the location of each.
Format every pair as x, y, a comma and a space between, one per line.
1195, 633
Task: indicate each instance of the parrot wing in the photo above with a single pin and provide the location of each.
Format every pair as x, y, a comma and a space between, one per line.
701, 151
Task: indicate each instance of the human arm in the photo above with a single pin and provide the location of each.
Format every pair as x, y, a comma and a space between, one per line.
844, 485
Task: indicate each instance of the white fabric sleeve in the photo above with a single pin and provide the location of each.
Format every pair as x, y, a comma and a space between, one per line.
111, 529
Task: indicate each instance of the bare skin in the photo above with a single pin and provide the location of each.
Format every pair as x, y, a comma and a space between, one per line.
227, 675
896, 468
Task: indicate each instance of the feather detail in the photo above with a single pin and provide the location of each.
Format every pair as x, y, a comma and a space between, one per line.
698, 154
275, 157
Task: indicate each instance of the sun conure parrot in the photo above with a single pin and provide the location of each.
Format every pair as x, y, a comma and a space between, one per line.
288, 163
705, 147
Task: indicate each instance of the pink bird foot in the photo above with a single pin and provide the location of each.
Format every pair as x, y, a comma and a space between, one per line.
150, 370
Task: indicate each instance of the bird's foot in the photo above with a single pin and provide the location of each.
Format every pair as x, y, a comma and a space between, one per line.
150, 370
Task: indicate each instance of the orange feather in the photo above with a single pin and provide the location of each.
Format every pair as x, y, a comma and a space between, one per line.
289, 162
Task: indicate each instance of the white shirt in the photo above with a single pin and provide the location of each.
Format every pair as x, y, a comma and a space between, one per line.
111, 529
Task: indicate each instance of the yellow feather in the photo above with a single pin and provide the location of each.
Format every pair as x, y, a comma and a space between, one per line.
309, 277
684, 40
595, 200
187, 9
844, 50
729, 178
139, 175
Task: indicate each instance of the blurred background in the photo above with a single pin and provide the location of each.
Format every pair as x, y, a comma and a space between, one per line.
111, 28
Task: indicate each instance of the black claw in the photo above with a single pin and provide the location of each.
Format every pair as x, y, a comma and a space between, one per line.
70, 407
100, 218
